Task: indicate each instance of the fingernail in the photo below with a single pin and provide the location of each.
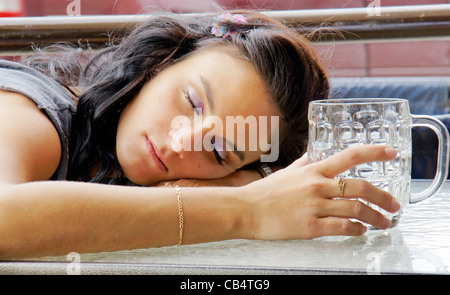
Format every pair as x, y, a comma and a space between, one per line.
386, 222
364, 229
395, 205
390, 152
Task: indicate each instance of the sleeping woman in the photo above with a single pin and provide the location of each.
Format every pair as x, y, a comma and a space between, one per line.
91, 159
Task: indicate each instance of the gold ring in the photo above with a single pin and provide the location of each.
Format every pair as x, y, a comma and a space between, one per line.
168, 184
341, 184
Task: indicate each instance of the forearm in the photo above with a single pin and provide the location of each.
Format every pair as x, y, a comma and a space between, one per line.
55, 218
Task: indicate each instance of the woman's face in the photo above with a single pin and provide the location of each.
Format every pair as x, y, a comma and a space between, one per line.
166, 131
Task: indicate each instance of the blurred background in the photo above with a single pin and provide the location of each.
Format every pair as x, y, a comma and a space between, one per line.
415, 69
416, 58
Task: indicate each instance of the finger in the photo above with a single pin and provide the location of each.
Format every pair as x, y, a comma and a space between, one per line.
348, 158
334, 226
362, 189
356, 210
300, 162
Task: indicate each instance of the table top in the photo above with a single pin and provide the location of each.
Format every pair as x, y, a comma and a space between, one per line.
419, 244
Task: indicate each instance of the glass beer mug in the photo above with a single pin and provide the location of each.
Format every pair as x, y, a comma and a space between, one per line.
337, 124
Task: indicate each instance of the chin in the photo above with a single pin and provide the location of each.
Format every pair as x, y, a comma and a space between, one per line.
145, 182
139, 178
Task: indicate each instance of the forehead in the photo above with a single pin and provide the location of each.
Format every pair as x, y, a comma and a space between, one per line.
236, 86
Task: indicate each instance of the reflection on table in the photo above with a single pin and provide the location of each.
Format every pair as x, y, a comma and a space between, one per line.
420, 244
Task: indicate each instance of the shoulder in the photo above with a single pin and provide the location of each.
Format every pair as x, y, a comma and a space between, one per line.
30, 147
43, 90
43, 95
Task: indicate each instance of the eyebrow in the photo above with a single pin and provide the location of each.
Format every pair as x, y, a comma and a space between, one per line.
209, 96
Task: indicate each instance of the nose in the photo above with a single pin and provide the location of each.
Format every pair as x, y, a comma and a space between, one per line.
185, 140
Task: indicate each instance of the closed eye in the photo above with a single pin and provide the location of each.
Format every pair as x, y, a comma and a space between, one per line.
194, 100
192, 96
220, 153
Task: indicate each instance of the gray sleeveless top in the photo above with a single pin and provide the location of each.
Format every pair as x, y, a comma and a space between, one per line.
52, 98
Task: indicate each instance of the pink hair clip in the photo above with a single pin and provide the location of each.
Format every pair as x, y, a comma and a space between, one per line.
227, 24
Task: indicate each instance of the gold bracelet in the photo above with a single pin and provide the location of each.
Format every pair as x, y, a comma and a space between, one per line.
180, 211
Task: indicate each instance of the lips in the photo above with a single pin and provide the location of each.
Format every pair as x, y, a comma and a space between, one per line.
154, 153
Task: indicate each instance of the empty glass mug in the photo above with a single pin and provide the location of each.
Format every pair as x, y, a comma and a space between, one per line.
337, 124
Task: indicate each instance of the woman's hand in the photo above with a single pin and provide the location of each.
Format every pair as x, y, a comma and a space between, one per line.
299, 202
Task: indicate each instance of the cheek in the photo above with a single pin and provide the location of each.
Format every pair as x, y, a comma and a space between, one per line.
126, 144
199, 166
199, 171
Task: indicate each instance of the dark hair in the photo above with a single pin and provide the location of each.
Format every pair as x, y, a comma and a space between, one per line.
113, 76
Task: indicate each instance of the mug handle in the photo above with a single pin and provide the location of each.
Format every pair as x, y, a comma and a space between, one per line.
443, 157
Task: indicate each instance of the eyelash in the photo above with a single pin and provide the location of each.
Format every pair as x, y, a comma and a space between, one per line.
219, 159
188, 98
216, 154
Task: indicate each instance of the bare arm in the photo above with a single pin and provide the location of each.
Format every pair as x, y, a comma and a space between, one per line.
29, 144
57, 217
50, 218
39, 217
